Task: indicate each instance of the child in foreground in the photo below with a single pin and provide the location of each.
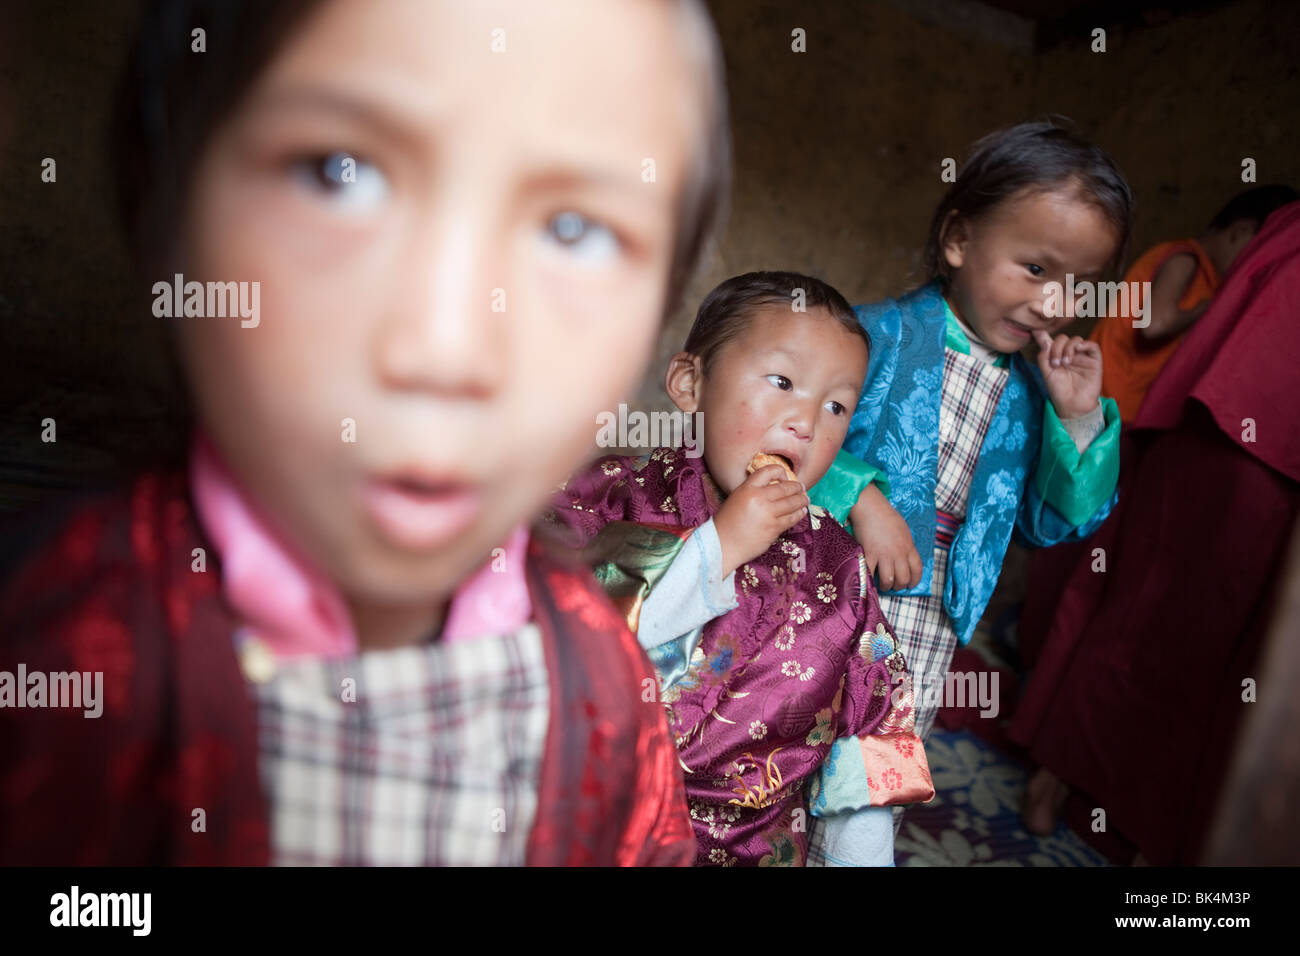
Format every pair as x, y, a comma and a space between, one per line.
957, 442
757, 607
329, 638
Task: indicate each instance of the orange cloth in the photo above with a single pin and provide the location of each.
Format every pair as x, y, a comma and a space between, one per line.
1128, 365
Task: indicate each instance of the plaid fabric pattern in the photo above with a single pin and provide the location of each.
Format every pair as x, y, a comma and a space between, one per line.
433, 760
926, 637
971, 390
816, 844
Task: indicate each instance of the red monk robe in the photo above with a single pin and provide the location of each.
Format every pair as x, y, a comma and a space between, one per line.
109, 587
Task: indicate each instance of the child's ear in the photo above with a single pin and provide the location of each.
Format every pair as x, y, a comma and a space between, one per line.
684, 381
953, 237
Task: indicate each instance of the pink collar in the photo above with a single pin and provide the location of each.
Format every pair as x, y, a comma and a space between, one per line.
295, 609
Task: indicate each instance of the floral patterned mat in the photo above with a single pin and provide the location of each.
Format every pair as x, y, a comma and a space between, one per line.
974, 819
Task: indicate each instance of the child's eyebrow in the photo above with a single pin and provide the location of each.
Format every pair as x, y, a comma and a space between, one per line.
368, 112
560, 174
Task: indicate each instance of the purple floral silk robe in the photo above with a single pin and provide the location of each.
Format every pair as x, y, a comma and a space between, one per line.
770, 684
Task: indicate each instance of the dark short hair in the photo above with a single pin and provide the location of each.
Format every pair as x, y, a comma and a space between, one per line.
1255, 204
727, 310
1038, 155
170, 101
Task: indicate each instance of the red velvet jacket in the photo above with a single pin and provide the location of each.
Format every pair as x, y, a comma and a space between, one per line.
111, 589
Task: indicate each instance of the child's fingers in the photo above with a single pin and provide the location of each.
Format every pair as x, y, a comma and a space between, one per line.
781, 492
1086, 354
914, 565
790, 504
1059, 345
1067, 350
768, 474
885, 574
1054, 351
902, 573
789, 519
1071, 351
1044, 350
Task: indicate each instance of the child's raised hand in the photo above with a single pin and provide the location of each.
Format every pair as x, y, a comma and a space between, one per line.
756, 514
1071, 367
885, 537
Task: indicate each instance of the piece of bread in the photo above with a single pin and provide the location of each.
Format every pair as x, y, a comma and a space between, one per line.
763, 459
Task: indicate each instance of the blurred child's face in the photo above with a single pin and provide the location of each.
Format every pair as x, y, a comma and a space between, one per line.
786, 385
1002, 260
1224, 245
458, 256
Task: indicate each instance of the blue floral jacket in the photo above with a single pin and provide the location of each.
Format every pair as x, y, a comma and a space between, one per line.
1030, 478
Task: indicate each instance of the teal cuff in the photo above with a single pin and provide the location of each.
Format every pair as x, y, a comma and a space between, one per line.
839, 488
1077, 483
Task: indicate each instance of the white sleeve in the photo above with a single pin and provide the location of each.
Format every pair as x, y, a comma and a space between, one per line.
1085, 428
862, 838
691, 593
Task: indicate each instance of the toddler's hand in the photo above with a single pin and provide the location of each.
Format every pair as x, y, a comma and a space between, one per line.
756, 514
1071, 367
887, 541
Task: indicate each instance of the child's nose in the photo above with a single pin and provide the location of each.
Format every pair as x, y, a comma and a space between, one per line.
444, 326
800, 420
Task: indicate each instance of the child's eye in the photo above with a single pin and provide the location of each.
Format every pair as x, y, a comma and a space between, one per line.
1034, 270
344, 180
585, 238
835, 408
781, 382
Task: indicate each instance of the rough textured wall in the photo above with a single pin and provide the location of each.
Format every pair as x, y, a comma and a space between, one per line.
1182, 103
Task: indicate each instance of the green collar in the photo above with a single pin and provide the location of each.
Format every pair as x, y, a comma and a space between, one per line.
957, 340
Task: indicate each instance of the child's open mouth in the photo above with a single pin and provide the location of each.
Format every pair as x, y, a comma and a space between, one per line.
419, 513
770, 457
